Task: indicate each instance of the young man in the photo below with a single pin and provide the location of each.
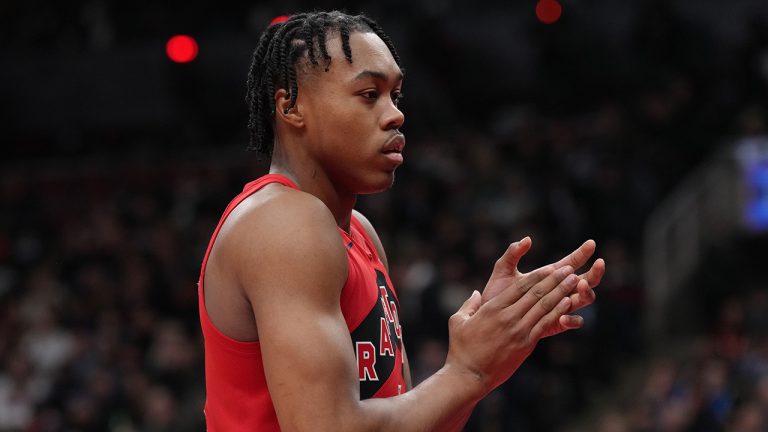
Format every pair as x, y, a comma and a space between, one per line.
298, 312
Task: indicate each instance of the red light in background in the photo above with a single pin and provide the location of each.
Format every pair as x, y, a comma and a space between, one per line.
181, 49
279, 19
548, 11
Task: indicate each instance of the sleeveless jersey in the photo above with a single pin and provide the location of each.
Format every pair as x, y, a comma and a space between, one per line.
237, 398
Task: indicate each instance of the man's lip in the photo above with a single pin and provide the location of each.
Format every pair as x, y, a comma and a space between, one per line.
395, 156
395, 144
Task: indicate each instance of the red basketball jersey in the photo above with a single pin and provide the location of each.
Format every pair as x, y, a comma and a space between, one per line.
237, 395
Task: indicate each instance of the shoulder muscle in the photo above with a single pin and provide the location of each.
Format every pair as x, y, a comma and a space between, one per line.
282, 238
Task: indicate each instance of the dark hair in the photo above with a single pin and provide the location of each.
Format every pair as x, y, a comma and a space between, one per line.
274, 61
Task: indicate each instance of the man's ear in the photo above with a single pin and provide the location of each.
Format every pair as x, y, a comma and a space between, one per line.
293, 115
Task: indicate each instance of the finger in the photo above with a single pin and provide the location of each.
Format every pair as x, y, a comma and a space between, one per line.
584, 296
580, 256
571, 322
583, 289
517, 289
551, 300
507, 263
528, 306
595, 273
550, 319
565, 323
470, 306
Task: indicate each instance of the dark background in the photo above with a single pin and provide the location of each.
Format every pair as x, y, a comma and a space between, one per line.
117, 163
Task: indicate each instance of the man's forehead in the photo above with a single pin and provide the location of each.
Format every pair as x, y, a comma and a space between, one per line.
371, 58
379, 75
369, 46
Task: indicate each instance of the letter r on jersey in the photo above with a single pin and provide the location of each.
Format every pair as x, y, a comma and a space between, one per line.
366, 361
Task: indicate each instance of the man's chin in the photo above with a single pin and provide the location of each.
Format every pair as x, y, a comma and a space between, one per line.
381, 186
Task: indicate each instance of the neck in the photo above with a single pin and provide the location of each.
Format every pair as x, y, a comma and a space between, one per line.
311, 179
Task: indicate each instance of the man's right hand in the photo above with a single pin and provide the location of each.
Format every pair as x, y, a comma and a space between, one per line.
490, 340
506, 274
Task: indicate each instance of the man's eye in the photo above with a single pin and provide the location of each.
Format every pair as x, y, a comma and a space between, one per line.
397, 97
370, 95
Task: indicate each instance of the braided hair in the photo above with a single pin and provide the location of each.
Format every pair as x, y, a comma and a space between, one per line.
273, 64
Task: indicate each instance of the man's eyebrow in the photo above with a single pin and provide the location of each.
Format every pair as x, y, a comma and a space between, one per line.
377, 75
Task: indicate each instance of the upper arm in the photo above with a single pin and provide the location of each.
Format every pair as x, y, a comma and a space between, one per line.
294, 288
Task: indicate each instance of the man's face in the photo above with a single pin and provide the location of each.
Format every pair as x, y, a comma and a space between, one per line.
351, 115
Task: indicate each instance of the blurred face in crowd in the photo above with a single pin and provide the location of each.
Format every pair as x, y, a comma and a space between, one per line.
350, 114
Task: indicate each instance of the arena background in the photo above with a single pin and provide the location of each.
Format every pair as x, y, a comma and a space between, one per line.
641, 124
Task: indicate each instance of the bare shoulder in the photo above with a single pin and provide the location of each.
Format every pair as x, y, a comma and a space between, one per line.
374, 236
281, 231
276, 208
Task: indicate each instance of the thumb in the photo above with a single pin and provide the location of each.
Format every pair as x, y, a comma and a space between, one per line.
507, 264
471, 305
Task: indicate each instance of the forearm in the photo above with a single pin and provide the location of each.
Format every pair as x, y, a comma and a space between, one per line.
460, 418
443, 402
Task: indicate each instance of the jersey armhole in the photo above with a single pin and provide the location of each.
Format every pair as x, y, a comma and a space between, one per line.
242, 347
366, 238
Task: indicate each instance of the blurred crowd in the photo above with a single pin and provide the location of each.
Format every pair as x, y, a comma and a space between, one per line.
712, 382
98, 298
99, 257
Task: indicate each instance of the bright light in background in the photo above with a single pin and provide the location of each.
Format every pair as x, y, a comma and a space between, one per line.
757, 201
548, 11
181, 48
279, 19
752, 155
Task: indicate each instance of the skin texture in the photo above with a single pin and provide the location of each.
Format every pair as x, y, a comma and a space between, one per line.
277, 268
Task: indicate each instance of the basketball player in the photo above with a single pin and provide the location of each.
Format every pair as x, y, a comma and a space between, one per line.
299, 315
